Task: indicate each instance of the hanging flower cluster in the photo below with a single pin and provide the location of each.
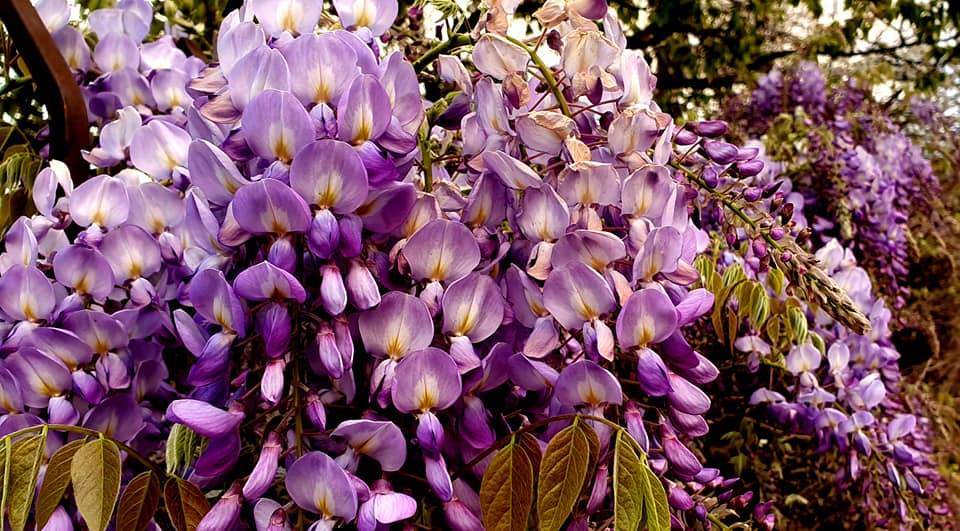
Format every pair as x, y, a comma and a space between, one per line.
874, 174
353, 297
831, 381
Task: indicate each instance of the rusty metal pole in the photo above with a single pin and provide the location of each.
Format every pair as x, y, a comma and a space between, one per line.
69, 128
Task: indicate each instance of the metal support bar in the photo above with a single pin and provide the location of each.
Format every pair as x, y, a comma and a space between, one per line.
69, 127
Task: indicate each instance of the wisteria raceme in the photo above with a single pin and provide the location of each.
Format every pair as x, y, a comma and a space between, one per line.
842, 387
354, 295
875, 173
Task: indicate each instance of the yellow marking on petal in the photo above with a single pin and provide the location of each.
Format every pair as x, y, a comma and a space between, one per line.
101, 347
289, 22
282, 150
321, 93
81, 285
364, 130
171, 162
395, 347
439, 271
231, 186
329, 195
277, 227
46, 390
590, 397
466, 324
28, 311
426, 393
158, 225
135, 269
324, 504
645, 330
364, 17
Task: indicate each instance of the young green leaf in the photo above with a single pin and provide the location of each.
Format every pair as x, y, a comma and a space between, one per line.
173, 457
776, 280
55, 481
25, 459
629, 485
656, 510
7, 444
185, 504
564, 470
139, 502
95, 472
506, 492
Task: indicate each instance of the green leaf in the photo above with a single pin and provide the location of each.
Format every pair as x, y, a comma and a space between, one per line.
656, 510
173, 453
139, 502
563, 472
705, 266
629, 485
55, 481
506, 492
761, 307
185, 504
26, 456
797, 324
7, 450
817, 342
733, 275
776, 280
183, 447
96, 481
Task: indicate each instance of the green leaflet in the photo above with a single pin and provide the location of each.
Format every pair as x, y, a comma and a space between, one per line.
7, 449
26, 456
797, 324
95, 472
506, 492
656, 510
629, 485
185, 504
563, 472
183, 446
55, 481
139, 502
776, 280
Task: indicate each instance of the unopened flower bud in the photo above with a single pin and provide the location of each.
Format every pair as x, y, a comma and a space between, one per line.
316, 412
685, 137
333, 294
351, 242
711, 128
324, 235
752, 194
750, 168
265, 470
721, 152
759, 248
283, 254
362, 290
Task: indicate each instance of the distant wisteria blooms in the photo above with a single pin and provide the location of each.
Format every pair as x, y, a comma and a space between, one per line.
861, 174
